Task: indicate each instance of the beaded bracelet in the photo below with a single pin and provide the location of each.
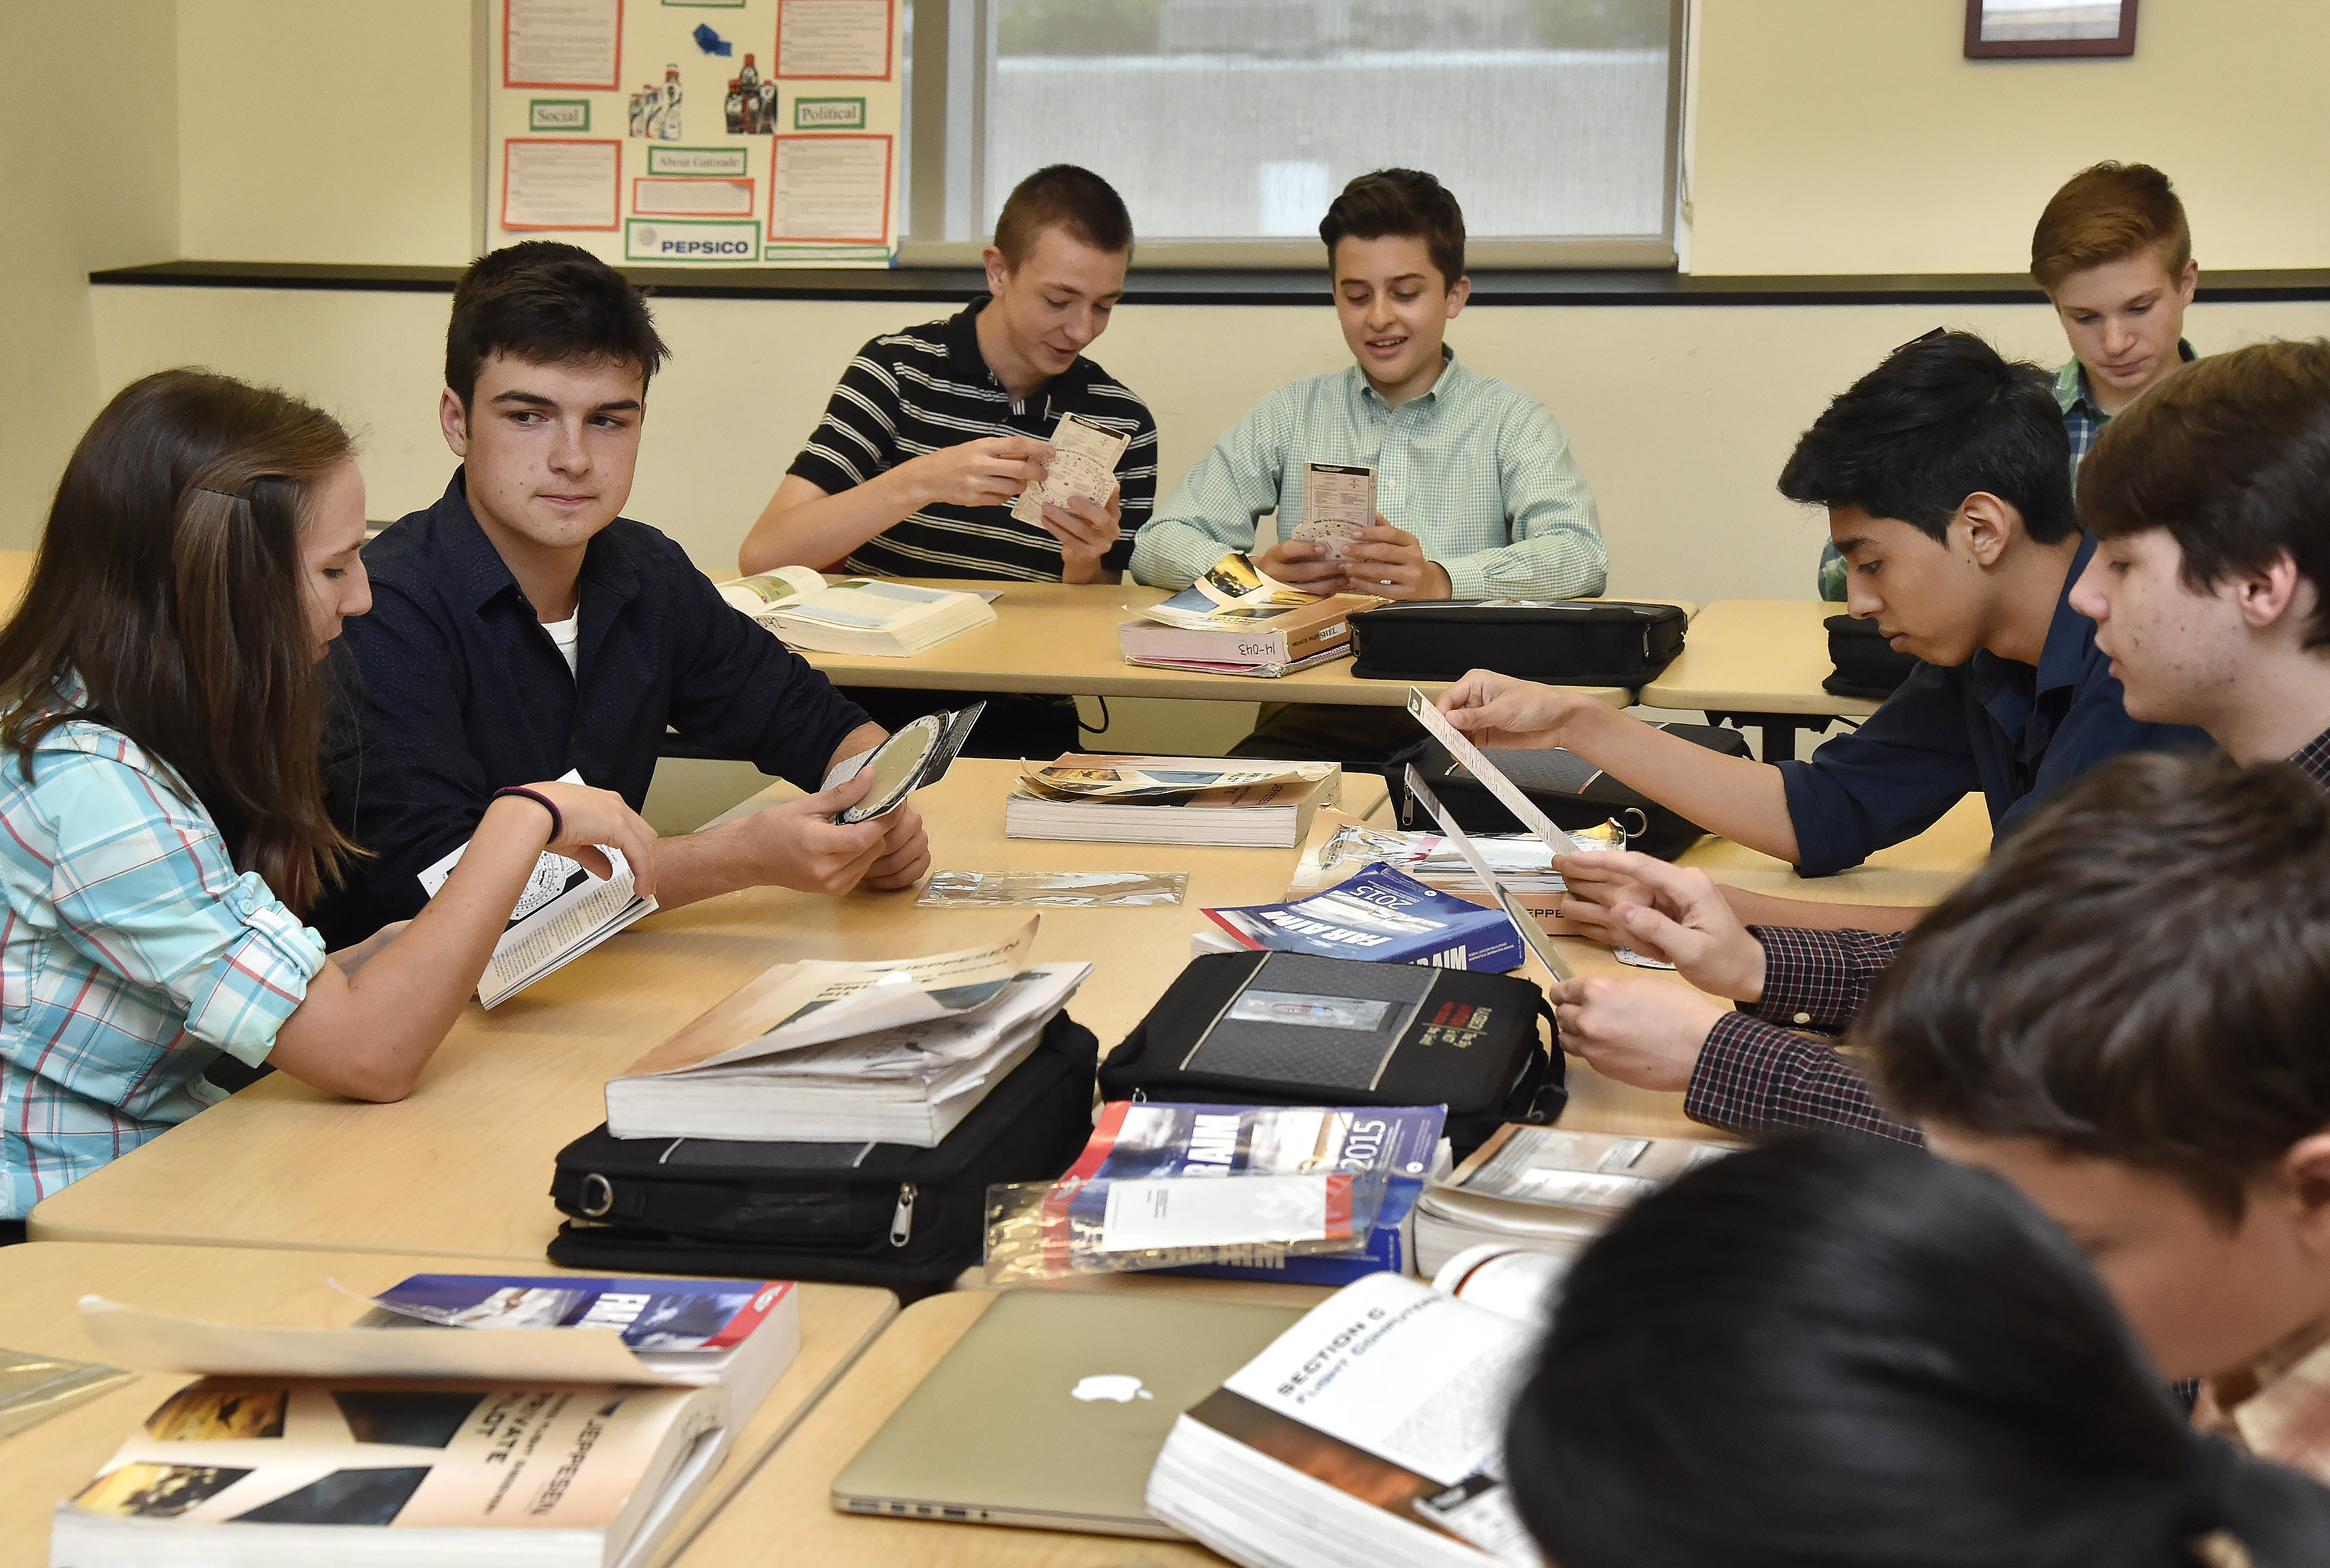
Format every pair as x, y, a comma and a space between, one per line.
557, 823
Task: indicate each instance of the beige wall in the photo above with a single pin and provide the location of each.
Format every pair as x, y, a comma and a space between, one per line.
1681, 415
320, 130
87, 182
1853, 136
1832, 135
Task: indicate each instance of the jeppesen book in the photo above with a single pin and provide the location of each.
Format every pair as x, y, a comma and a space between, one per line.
1382, 915
1159, 1140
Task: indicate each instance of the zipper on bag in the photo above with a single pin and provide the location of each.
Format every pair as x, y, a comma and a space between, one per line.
901, 1219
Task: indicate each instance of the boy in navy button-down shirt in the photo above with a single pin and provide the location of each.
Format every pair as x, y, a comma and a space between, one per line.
521, 629
1943, 475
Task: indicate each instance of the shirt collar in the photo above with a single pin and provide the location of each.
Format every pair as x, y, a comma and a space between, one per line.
2313, 758
2277, 1413
475, 571
2063, 658
970, 361
2073, 392
1452, 380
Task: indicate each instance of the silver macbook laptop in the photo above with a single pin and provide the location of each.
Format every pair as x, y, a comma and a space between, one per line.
1050, 1412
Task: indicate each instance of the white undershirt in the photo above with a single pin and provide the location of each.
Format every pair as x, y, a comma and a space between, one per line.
568, 635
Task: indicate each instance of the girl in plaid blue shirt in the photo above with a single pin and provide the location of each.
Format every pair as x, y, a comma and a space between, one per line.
162, 821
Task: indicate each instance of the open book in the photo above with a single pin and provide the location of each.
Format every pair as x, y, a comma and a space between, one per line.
857, 615
1547, 1189
1371, 1431
549, 1441
896, 1050
736, 1334
563, 913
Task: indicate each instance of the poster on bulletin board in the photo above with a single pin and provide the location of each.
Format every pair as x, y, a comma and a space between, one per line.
701, 133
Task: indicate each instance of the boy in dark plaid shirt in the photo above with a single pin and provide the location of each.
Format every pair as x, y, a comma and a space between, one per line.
2205, 585
2121, 1015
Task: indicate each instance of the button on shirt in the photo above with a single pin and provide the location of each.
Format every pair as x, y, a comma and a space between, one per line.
1475, 469
457, 689
134, 955
1994, 725
917, 391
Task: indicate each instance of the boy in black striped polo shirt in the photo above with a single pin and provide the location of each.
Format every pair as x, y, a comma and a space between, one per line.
934, 430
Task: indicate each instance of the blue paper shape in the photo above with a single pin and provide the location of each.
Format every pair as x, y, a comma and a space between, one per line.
711, 42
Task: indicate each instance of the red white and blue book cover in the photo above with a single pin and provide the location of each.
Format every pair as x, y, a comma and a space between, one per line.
1382, 915
1152, 1138
706, 1315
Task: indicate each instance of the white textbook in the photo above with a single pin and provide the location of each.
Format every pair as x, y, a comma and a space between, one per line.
1371, 1431
857, 615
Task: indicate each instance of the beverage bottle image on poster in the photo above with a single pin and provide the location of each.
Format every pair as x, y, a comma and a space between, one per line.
653, 133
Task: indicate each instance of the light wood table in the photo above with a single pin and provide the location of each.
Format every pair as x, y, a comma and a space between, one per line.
1757, 661
1060, 638
42, 1282
788, 1501
462, 1168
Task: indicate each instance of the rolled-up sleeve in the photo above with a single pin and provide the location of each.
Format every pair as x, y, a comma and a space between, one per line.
143, 885
1890, 779
1557, 550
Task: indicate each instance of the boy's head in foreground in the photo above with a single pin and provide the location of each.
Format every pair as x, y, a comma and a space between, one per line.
2123, 1012
1834, 1351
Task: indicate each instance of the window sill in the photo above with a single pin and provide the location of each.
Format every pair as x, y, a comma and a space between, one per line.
1249, 285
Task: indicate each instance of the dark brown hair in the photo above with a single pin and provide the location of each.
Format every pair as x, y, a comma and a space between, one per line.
2231, 455
2108, 213
169, 581
1063, 196
2141, 973
548, 303
1407, 201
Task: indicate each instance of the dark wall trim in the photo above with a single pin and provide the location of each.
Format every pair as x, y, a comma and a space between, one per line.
1232, 287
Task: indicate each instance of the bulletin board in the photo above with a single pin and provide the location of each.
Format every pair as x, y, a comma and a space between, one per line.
697, 133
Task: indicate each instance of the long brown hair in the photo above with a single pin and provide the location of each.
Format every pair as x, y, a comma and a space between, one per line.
169, 581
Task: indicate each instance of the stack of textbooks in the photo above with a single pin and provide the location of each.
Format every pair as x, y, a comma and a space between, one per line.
1545, 1190
1170, 801
1156, 1141
897, 1051
1188, 632
856, 615
1236, 619
1380, 914
1371, 1431
554, 1420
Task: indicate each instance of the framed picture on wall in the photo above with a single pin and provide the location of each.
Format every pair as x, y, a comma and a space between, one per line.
2025, 29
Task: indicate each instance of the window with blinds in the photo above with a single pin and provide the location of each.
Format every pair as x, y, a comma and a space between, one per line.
1229, 125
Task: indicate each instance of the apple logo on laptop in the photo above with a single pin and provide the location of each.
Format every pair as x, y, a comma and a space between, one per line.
1122, 1387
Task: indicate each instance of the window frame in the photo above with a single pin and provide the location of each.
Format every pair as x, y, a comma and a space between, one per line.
935, 129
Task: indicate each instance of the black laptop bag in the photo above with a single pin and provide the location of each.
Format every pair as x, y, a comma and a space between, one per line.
1571, 791
1450, 1037
909, 1219
1866, 663
1570, 642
